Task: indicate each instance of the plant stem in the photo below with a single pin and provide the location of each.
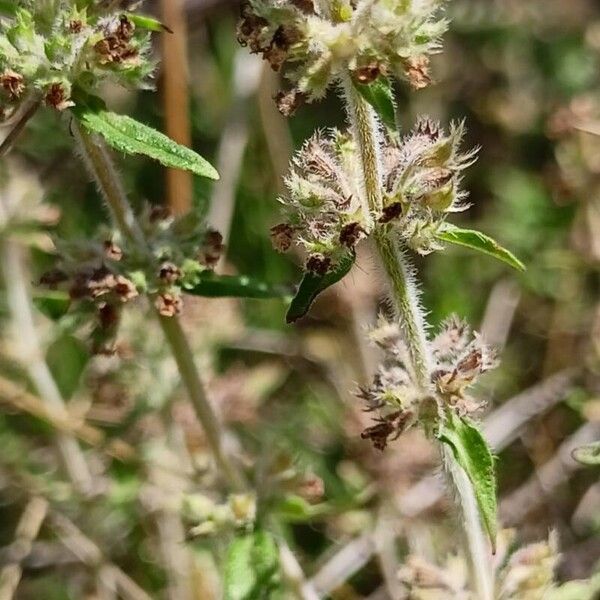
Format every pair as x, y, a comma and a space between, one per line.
16, 131
101, 167
404, 293
475, 537
405, 296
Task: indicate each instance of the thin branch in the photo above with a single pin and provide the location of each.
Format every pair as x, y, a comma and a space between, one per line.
11, 264
16, 131
27, 531
63, 421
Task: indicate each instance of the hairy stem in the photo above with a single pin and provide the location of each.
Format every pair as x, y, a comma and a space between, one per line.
475, 537
101, 167
405, 297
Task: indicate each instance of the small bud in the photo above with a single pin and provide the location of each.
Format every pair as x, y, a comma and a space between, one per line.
12, 83
57, 98
169, 305
76, 26
417, 72
169, 273
282, 236
112, 251
243, 508
213, 248
288, 102
125, 289
351, 234
368, 73
318, 264
391, 212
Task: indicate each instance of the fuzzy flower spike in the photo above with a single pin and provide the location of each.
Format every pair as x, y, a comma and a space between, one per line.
315, 43
459, 358
324, 209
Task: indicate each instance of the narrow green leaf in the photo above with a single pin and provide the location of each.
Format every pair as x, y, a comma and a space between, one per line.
476, 240
67, 359
52, 304
251, 567
132, 137
380, 95
474, 455
312, 285
588, 455
148, 23
212, 285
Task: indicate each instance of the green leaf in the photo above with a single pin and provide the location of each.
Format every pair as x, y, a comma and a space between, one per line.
211, 285
312, 285
476, 240
474, 455
380, 95
52, 304
8, 7
132, 137
588, 455
67, 358
148, 23
251, 567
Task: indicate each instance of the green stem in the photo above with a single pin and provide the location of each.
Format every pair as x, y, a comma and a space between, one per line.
405, 296
404, 293
101, 167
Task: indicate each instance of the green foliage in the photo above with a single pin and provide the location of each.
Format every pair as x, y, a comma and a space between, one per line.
380, 96
475, 457
312, 285
52, 304
478, 241
132, 137
211, 285
67, 359
251, 567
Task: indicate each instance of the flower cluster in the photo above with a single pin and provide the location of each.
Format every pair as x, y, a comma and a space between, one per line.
458, 358
527, 573
421, 182
104, 275
50, 47
322, 202
325, 204
315, 43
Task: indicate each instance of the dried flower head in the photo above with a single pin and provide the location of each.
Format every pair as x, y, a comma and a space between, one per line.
316, 44
459, 357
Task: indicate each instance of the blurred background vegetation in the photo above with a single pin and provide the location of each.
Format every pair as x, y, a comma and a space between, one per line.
526, 78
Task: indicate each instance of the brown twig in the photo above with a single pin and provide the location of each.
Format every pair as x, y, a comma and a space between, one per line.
176, 100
